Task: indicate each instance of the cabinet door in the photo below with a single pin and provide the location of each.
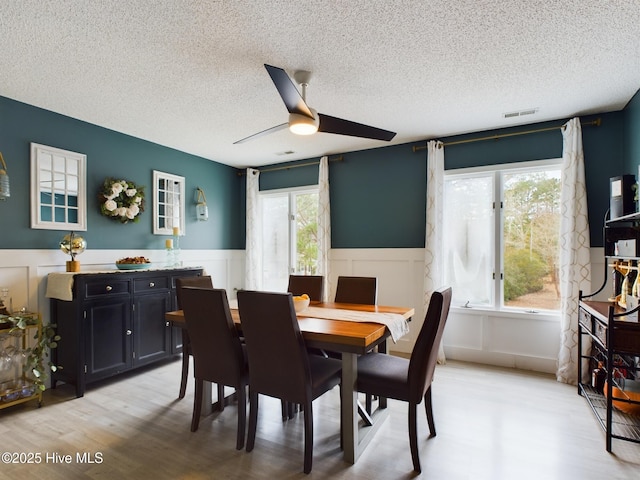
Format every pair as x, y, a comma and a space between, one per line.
152, 335
108, 337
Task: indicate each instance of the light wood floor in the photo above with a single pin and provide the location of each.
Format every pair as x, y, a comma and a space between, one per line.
492, 423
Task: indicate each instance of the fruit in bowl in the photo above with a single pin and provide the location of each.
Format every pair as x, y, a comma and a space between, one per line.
300, 302
133, 263
133, 260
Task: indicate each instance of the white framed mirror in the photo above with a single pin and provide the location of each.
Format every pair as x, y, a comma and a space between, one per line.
168, 203
58, 189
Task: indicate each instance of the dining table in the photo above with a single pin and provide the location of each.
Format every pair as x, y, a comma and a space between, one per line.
351, 330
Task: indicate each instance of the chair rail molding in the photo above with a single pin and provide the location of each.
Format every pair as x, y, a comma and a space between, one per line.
494, 340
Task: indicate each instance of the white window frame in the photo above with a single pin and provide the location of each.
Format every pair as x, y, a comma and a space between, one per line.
497, 303
162, 223
291, 194
45, 178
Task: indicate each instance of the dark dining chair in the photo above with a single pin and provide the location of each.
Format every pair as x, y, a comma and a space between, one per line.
312, 285
362, 290
202, 281
218, 355
410, 380
279, 365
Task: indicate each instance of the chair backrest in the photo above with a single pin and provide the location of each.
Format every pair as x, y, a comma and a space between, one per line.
425, 351
278, 362
312, 285
202, 281
362, 290
217, 352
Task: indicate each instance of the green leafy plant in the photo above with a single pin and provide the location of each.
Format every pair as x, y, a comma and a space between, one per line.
524, 273
38, 356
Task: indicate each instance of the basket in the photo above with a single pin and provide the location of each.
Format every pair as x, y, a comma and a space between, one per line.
630, 391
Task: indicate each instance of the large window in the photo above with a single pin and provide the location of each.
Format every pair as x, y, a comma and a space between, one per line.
501, 231
290, 236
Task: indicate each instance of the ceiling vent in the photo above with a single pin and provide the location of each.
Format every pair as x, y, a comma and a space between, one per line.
521, 113
286, 152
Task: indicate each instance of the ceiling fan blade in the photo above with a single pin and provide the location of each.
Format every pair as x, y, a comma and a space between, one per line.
329, 124
288, 91
282, 126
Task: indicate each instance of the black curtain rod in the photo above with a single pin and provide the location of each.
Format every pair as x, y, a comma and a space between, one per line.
287, 167
595, 123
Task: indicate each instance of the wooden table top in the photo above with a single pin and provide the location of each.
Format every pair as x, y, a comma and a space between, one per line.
337, 335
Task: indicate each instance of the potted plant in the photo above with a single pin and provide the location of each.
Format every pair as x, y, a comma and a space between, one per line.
36, 355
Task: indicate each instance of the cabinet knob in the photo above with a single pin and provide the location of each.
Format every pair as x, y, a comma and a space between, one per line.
151, 284
109, 288
166, 324
129, 332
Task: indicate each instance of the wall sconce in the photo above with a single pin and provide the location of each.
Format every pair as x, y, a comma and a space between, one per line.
202, 212
4, 180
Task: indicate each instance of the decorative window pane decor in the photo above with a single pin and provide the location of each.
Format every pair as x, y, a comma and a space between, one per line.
168, 203
58, 189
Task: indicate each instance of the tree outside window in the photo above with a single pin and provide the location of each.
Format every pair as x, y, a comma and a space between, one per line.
290, 236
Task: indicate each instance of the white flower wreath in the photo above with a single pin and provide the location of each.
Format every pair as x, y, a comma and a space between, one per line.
121, 200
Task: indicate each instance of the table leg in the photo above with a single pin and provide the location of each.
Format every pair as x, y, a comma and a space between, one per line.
355, 438
349, 406
208, 405
207, 400
382, 348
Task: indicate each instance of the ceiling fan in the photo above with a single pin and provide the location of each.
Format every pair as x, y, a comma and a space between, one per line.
304, 120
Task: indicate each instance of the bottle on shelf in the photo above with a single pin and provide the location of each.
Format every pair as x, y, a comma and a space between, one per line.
598, 377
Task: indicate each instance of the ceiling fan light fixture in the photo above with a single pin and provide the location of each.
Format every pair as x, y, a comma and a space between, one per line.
303, 125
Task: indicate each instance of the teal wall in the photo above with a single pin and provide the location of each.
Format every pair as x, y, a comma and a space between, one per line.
112, 154
632, 135
378, 196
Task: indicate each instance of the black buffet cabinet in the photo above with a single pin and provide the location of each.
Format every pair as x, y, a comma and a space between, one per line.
115, 323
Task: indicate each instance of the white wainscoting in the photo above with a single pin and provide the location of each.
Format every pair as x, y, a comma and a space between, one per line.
597, 275
400, 273
516, 340
525, 341
25, 272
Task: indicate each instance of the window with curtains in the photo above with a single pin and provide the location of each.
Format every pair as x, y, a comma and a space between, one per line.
501, 229
289, 235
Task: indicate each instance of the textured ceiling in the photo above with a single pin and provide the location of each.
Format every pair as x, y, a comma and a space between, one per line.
189, 74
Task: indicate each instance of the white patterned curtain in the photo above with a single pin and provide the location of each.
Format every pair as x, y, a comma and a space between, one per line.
575, 266
433, 234
324, 225
253, 257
